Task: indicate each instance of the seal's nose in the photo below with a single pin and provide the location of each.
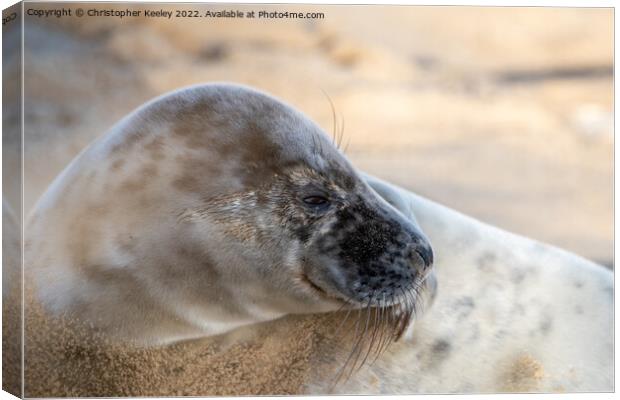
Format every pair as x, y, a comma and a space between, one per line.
422, 253
426, 253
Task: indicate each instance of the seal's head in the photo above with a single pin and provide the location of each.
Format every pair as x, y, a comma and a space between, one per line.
223, 206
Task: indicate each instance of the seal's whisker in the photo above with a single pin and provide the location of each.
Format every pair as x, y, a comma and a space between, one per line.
358, 321
373, 337
343, 367
340, 133
372, 333
335, 125
383, 327
412, 295
398, 313
342, 137
342, 307
390, 323
408, 312
334, 118
379, 321
383, 340
384, 311
378, 326
346, 317
355, 348
360, 345
360, 341
405, 317
413, 300
382, 335
417, 295
389, 338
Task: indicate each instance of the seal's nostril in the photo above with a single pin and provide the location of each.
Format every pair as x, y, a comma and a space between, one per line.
426, 253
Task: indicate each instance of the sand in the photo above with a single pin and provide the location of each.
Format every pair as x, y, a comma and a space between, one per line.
64, 358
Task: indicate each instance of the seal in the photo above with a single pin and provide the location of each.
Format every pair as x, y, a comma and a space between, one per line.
512, 315
217, 206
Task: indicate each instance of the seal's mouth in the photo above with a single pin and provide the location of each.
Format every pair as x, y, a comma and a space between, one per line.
320, 291
314, 286
408, 297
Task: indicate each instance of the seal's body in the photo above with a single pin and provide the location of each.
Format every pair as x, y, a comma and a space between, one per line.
213, 207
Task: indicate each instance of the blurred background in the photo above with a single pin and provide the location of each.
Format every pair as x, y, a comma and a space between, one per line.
505, 114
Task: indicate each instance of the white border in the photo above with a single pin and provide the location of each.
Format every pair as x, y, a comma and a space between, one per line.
483, 3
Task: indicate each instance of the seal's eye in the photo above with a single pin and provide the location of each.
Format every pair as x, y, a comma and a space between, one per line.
314, 198
316, 201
